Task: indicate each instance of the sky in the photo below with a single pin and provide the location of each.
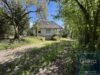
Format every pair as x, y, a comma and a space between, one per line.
52, 10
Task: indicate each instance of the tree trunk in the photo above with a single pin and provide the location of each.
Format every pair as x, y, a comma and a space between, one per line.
36, 32
91, 25
16, 36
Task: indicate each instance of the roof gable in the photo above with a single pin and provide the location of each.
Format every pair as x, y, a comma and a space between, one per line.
47, 24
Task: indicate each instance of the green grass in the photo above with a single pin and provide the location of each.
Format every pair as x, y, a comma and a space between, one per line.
24, 41
3, 46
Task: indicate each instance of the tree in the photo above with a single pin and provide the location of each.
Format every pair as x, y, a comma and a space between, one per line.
37, 28
83, 18
24, 26
16, 15
41, 7
5, 28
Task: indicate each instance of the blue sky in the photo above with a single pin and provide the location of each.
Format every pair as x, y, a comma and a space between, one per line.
52, 10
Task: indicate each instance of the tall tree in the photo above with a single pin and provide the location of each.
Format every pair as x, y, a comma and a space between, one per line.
41, 7
5, 28
15, 14
84, 16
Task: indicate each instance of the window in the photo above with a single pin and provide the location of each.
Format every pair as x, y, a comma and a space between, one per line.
48, 31
39, 31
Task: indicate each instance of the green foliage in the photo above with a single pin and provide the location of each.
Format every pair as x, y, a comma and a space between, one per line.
41, 7
5, 28
55, 37
36, 27
14, 14
82, 20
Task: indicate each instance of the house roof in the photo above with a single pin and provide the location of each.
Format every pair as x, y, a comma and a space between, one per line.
47, 24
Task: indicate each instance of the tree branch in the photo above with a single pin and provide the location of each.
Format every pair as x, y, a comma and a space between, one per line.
5, 2
96, 18
83, 10
6, 15
86, 14
27, 13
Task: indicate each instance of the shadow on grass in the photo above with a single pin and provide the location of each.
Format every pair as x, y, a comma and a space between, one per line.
33, 60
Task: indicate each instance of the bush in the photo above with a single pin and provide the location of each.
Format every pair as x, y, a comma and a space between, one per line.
55, 37
42, 38
64, 35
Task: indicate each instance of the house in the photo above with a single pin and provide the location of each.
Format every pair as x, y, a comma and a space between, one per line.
46, 28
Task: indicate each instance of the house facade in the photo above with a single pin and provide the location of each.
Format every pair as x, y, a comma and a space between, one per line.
46, 28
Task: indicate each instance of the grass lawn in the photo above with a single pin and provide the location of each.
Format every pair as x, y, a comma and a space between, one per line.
25, 41
4, 44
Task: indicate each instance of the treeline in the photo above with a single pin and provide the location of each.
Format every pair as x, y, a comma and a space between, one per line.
14, 19
82, 21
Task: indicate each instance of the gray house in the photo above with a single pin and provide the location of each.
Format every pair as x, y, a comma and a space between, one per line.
46, 28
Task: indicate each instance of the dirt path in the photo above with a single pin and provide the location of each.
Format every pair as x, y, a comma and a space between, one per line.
11, 54
57, 67
31, 60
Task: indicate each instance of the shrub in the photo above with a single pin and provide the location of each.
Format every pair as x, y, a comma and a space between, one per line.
42, 38
64, 35
55, 37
